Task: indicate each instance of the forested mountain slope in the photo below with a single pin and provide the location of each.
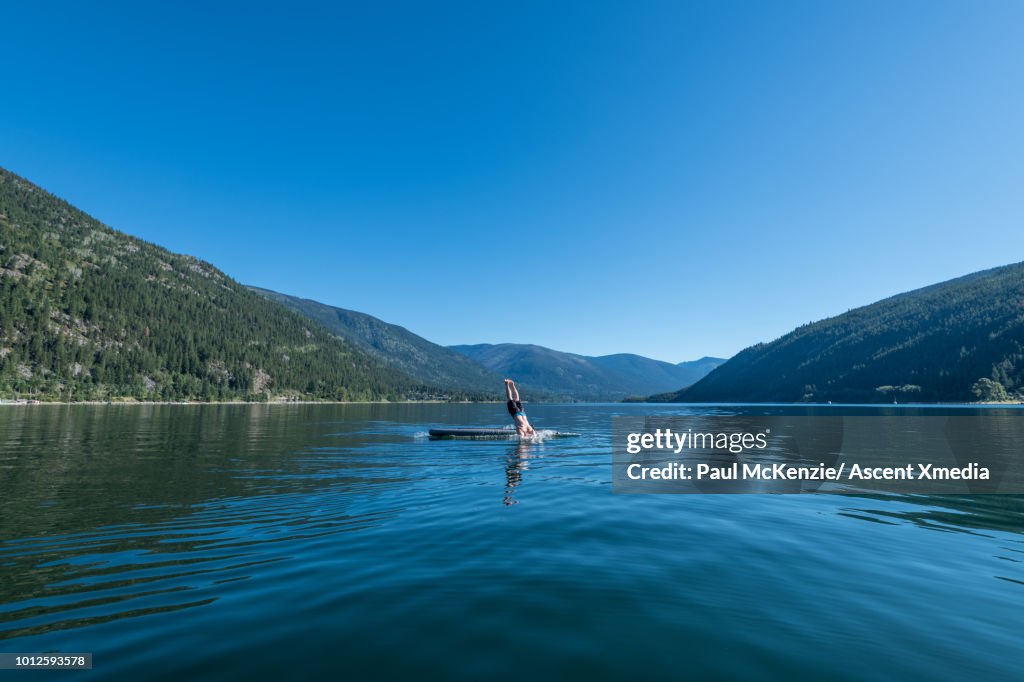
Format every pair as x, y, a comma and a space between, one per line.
87, 312
932, 344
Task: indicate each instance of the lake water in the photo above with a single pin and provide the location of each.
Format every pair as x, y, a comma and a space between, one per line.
260, 542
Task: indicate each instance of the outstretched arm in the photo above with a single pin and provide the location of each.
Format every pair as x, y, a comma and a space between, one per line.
514, 391
508, 389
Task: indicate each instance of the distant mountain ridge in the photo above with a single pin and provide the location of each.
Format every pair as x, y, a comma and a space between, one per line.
580, 377
396, 346
932, 344
544, 374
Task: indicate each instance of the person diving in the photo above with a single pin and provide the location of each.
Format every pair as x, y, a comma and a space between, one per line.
515, 409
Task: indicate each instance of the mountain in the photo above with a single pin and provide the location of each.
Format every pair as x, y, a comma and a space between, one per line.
700, 368
87, 312
959, 340
655, 372
396, 346
579, 377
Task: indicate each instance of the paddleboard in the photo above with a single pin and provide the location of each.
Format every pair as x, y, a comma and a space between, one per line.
437, 434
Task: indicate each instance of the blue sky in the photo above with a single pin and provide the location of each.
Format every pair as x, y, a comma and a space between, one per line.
669, 179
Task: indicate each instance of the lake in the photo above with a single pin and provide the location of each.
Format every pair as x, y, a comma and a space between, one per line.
241, 542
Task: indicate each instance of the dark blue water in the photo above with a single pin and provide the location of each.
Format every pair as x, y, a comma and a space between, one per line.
254, 542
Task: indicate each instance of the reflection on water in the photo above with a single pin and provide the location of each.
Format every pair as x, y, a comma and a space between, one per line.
518, 462
211, 538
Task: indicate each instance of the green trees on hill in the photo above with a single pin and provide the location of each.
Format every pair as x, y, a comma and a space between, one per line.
89, 313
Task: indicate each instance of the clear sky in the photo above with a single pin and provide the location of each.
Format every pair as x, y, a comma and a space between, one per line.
671, 179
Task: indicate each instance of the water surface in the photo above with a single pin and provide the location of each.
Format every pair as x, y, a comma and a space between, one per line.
252, 542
